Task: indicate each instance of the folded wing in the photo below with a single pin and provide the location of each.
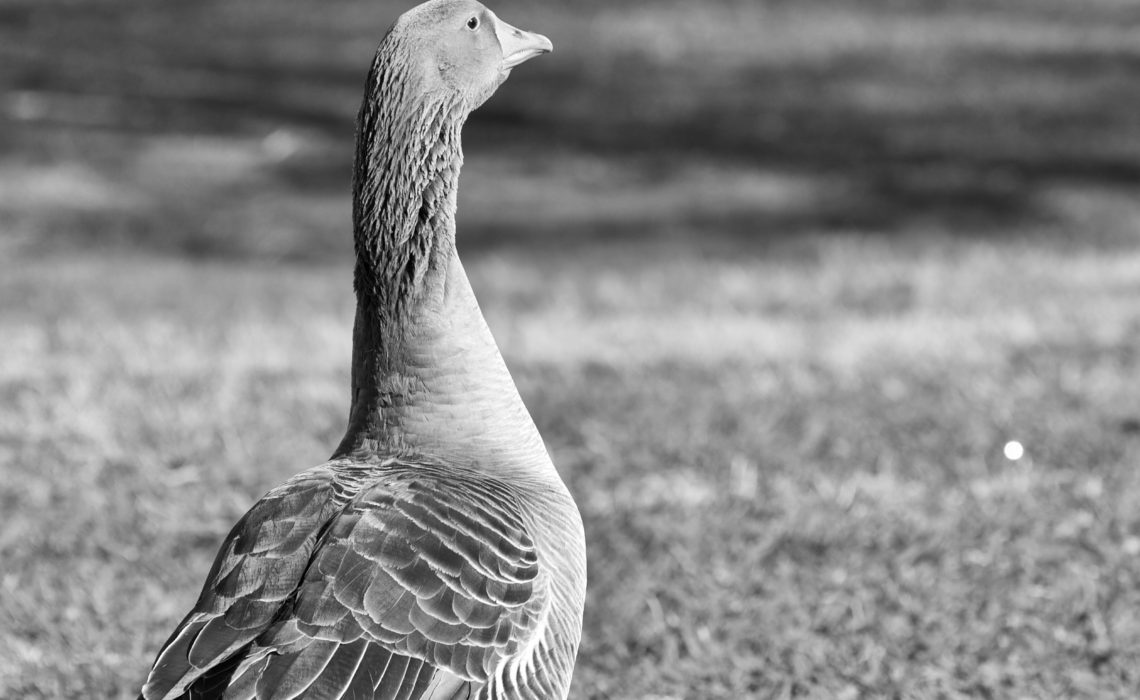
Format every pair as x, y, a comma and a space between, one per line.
422, 586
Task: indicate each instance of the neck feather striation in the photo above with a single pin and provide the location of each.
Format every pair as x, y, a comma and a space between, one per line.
426, 373
408, 157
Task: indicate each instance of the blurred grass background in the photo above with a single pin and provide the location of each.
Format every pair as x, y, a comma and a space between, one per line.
778, 281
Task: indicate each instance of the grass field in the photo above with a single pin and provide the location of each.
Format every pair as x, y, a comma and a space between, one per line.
776, 309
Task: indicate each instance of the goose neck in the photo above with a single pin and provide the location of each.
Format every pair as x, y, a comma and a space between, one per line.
427, 375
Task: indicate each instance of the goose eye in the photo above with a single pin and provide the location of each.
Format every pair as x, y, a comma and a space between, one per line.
473, 23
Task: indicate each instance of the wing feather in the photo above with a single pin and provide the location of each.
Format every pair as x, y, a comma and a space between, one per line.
416, 581
341, 669
259, 563
451, 576
289, 675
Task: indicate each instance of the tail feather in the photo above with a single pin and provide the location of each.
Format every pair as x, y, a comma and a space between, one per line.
337, 676
288, 673
201, 646
322, 669
171, 666
243, 682
393, 684
213, 684
368, 674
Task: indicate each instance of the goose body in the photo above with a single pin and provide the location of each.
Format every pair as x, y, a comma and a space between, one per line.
438, 554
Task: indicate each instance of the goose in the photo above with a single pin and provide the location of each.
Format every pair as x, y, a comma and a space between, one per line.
437, 554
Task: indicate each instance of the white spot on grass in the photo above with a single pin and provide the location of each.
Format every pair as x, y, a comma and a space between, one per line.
1013, 450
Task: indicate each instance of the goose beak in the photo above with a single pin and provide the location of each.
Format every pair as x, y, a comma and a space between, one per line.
519, 46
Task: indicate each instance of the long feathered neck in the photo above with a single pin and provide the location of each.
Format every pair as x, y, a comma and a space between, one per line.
426, 373
408, 156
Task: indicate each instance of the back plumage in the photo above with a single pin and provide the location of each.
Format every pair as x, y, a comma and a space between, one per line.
404, 579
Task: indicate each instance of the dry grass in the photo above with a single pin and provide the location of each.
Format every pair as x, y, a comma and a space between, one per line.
791, 472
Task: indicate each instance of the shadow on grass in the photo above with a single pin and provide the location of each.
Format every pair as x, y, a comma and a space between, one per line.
968, 140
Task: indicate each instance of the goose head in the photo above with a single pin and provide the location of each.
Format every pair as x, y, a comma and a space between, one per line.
461, 47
